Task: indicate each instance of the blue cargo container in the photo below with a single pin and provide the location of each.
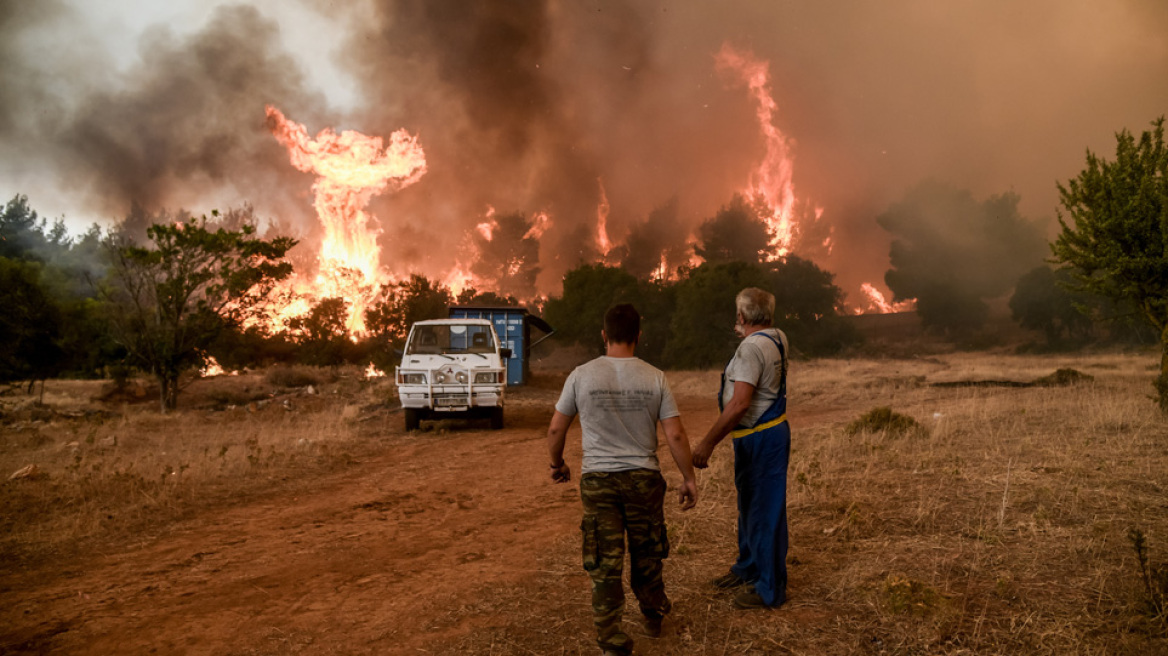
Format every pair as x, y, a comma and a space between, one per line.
513, 326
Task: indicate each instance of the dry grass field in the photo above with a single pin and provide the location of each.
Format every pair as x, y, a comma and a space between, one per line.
288, 512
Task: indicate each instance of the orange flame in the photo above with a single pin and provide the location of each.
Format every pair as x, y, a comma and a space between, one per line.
213, 368
351, 169
772, 180
540, 222
661, 273
877, 304
602, 221
458, 279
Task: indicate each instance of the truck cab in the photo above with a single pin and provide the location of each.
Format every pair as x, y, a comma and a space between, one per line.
452, 368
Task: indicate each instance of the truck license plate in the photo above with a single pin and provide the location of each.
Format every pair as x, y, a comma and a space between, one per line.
451, 400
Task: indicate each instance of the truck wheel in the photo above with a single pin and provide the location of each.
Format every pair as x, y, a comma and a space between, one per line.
496, 418
412, 419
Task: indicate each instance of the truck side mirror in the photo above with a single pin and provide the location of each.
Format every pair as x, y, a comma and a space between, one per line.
398, 353
505, 353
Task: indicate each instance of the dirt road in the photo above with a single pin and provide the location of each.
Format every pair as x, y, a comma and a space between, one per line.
442, 541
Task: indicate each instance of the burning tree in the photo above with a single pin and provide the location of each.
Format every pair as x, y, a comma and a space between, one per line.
737, 233
168, 302
508, 247
1117, 241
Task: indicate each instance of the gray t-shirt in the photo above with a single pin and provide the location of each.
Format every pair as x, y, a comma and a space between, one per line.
620, 401
756, 362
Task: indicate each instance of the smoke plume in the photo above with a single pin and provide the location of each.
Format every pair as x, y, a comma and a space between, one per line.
522, 107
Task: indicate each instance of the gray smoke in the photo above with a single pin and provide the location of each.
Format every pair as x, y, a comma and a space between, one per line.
183, 125
524, 107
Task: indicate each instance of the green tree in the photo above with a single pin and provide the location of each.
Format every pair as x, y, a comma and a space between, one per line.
322, 333
1116, 239
807, 305
29, 324
589, 290
167, 303
472, 296
702, 327
398, 307
21, 231
76, 342
1042, 301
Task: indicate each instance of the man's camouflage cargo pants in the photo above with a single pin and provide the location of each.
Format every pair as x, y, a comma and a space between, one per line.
615, 504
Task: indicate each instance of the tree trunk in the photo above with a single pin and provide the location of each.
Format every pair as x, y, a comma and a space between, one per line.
168, 391
1162, 382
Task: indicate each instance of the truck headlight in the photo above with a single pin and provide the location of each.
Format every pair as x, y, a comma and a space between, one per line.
460, 377
485, 377
439, 378
411, 379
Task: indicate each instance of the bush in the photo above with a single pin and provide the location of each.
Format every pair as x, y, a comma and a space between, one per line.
905, 595
1153, 576
1064, 377
295, 376
884, 420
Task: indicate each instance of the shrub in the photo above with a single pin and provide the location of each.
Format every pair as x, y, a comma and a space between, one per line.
884, 420
1153, 576
293, 376
905, 595
1064, 377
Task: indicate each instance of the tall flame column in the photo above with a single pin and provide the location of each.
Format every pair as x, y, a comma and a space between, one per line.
351, 169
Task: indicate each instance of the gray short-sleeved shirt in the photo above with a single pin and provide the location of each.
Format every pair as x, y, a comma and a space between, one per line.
757, 361
620, 401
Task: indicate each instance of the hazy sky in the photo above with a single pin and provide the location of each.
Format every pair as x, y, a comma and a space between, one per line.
530, 106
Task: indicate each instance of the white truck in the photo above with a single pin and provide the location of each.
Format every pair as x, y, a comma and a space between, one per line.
452, 368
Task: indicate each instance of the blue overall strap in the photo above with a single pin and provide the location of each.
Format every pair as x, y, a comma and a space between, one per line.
777, 408
782, 361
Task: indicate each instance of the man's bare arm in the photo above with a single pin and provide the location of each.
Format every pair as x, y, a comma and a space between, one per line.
733, 413
557, 435
678, 443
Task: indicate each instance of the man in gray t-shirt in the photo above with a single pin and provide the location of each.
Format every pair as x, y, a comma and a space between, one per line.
620, 400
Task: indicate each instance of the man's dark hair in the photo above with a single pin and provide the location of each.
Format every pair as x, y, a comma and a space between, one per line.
622, 324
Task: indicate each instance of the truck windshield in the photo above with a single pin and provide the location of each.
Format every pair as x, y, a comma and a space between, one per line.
451, 338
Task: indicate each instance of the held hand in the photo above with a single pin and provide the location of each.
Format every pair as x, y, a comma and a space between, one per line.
687, 496
561, 474
701, 454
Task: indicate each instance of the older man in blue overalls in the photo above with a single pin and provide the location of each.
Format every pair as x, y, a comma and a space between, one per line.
753, 404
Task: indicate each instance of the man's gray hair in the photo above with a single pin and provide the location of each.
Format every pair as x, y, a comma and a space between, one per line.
757, 306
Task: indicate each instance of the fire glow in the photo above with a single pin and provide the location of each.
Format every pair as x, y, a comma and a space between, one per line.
602, 210
211, 367
772, 179
351, 168
877, 304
